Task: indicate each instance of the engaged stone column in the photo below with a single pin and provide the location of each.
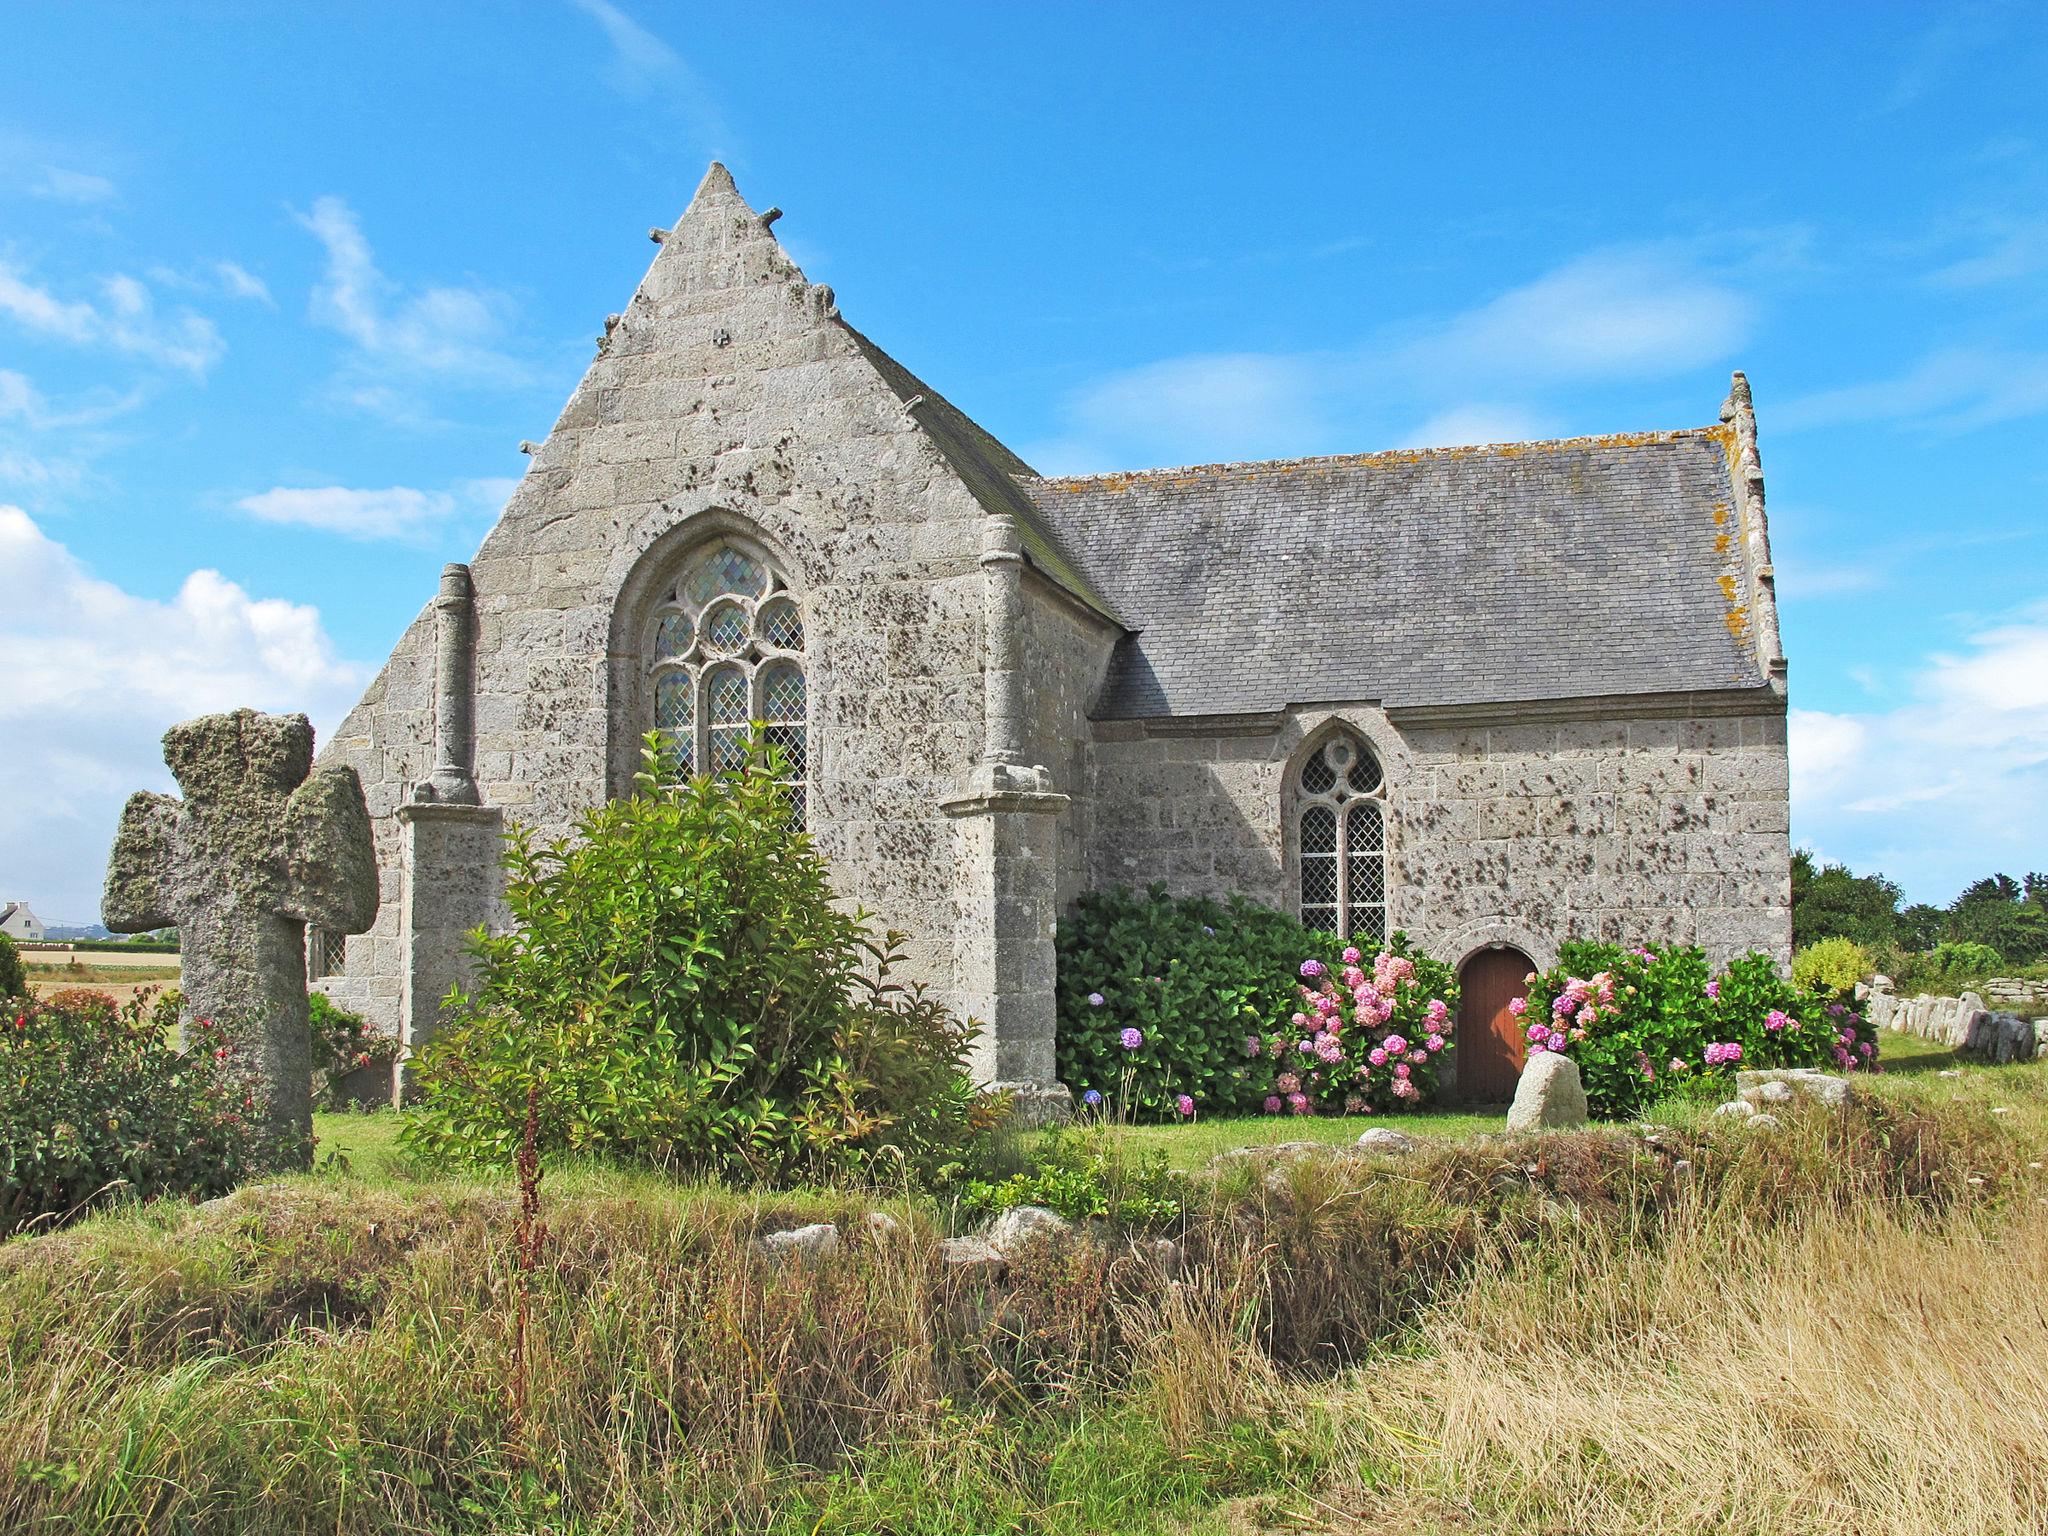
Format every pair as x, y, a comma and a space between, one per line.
260, 846
1006, 827
450, 876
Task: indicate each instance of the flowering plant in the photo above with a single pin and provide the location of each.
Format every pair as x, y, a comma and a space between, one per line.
1365, 1037
95, 1098
1648, 1022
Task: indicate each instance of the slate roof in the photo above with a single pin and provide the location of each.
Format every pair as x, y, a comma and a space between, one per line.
989, 470
1519, 571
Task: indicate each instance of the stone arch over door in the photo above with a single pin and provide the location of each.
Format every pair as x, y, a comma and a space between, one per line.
1490, 1049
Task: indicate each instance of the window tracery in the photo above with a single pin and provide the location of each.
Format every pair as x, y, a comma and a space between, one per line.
1340, 827
726, 649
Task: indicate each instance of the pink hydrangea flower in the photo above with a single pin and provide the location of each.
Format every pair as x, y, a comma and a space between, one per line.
1556, 1041
1252, 1047
1713, 989
1351, 956
1395, 1045
1377, 1056
1185, 1105
1401, 1071
1298, 1103
1273, 1102
1287, 1082
1776, 1020
1433, 1044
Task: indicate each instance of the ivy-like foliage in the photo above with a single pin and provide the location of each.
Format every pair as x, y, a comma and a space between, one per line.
683, 987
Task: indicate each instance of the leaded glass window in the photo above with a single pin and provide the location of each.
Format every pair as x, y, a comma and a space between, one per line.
1340, 826
725, 653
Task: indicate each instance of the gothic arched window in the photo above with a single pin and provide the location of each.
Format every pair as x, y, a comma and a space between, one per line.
1340, 827
726, 649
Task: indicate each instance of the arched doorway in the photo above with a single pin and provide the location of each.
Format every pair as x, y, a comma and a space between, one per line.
1491, 1045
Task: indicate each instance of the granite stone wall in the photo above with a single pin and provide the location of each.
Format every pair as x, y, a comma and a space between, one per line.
727, 396
1665, 827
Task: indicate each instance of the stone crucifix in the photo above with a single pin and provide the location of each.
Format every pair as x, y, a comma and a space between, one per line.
256, 850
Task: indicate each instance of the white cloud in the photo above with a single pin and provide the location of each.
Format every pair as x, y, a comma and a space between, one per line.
242, 283
2016, 254
127, 321
1953, 390
1945, 787
396, 512
94, 675
62, 186
646, 69
1616, 314
443, 333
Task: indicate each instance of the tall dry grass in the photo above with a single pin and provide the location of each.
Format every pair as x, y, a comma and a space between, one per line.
1872, 1371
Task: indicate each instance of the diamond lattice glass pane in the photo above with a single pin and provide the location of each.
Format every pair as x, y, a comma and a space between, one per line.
725, 569
791, 739
782, 625
1318, 879
1365, 772
1322, 919
1367, 833
725, 627
673, 636
799, 806
1368, 877
682, 750
782, 693
1369, 923
726, 693
674, 699
1317, 775
1318, 830
728, 748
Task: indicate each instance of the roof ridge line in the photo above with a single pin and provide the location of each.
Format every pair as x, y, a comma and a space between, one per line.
1386, 455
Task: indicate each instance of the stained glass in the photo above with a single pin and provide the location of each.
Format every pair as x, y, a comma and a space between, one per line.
725, 627
724, 570
673, 636
782, 625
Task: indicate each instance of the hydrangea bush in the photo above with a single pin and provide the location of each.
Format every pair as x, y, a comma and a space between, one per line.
1650, 1023
1365, 1037
1157, 995
96, 1102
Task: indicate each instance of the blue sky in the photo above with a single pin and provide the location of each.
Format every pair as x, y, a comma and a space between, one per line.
282, 288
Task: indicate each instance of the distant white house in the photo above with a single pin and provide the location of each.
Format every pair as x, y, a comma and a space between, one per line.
17, 922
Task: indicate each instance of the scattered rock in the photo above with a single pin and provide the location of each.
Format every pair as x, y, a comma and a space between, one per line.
1739, 1108
1385, 1139
971, 1258
880, 1224
1550, 1095
1682, 1169
1948, 1072
1762, 1122
1164, 1252
2000, 1109
1769, 1093
820, 1240
1023, 1225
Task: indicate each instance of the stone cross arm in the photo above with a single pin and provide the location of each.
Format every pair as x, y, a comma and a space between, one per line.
139, 896
330, 858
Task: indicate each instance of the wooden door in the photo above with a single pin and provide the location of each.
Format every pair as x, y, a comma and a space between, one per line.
1490, 1039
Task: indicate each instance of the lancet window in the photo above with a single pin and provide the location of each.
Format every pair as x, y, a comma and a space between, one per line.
1340, 827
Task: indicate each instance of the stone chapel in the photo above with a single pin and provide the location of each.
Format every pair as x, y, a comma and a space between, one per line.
1493, 697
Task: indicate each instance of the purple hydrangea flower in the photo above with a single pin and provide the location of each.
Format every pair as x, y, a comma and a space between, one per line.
1091, 1098
1095, 999
1311, 969
1131, 1039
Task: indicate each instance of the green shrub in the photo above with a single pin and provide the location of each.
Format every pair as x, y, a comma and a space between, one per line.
682, 988
1194, 977
1836, 964
94, 1100
1648, 1023
13, 973
1088, 1173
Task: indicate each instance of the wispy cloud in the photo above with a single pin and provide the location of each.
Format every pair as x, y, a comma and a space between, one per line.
96, 674
123, 318
646, 69
440, 333
1948, 784
2014, 254
1611, 315
1952, 390
59, 185
397, 512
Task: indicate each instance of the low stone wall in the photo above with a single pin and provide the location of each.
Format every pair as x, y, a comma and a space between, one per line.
1962, 1023
2016, 992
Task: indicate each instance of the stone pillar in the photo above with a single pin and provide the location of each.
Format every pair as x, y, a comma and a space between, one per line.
1006, 828
450, 877
451, 884
454, 777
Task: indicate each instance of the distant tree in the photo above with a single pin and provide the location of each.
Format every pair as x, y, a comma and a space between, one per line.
2010, 916
1829, 902
1920, 926
13, 974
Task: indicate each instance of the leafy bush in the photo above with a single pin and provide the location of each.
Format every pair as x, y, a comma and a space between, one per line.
1194, 977
13, 973
1358, 1041
1837, 964
1646, 1023
685, 992
94, 1099
1088, 1173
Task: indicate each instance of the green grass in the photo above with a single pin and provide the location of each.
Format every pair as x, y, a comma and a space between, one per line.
1195, 1143
365, 1145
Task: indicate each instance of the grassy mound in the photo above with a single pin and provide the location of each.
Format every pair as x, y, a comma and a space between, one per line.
1530, 1334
